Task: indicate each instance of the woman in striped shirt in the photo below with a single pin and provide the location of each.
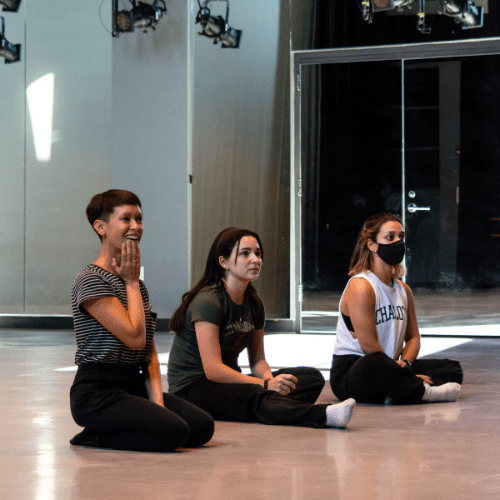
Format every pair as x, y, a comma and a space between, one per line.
117, 392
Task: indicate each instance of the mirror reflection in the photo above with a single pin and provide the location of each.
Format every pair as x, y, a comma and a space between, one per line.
419, 139
355, 23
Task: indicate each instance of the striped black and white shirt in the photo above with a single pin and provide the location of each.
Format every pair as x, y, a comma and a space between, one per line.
94, 343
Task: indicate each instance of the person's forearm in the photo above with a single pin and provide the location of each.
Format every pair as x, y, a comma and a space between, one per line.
135, 310
368, 339
261, 369
369, 347
223, 374
153, 381
411, 350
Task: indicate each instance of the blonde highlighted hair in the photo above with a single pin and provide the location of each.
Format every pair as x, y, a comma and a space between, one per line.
362, 257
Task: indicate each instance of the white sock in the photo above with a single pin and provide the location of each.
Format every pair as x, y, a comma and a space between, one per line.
446, 392
338, 415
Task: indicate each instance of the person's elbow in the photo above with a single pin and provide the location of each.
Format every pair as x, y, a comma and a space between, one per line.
135, 339
370, 347
213, 373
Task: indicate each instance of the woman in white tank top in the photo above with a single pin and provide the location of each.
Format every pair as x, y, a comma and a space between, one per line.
378, 341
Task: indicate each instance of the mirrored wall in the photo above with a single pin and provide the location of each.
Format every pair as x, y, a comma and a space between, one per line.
417, 137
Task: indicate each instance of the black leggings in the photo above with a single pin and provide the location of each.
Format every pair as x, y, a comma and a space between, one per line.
252, 403
376, 378
111, 401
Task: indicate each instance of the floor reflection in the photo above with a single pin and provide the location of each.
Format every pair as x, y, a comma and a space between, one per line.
426, 451
436, 309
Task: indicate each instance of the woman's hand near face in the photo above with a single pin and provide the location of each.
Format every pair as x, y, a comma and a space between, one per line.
129, 325
129, 269
282, 384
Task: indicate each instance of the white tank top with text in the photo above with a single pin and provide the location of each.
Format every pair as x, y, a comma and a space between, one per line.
391, 318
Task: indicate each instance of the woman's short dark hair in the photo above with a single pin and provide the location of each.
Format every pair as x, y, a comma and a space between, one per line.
102, 205
214, 273
362, 257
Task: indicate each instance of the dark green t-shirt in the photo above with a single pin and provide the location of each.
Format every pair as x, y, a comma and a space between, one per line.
236, 325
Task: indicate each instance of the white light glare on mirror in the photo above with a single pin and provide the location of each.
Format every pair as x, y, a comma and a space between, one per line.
41, 104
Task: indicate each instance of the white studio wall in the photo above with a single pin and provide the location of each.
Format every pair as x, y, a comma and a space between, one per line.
56, 129
150, 147
82, 113
68, 131
12, 171
241, 154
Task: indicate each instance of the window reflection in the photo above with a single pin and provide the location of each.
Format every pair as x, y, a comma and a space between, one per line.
41, 104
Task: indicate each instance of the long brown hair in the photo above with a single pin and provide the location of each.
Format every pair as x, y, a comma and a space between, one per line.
362, 257
214, 273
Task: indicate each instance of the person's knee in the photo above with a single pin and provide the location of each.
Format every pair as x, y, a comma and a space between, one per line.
457, 372
374, 362
368, 380
202, 431
77, 417
174, 435
80, 416
313, 375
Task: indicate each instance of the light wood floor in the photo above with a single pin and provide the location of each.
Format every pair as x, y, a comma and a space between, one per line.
423, 452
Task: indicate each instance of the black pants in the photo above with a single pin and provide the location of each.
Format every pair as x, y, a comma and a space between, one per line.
252, 403
111, 400
375, 377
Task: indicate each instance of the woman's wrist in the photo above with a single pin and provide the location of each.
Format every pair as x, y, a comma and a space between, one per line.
131, 281
267, 377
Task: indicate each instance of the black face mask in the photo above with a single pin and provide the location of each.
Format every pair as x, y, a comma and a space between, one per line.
392, 253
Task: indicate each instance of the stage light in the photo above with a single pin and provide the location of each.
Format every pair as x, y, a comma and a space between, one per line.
464, 12
10, 5
141, 15
9, 51
216, 27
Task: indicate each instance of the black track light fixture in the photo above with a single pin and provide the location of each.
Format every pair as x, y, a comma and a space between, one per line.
141, 15
216, 27
10, 5
10, 52
464, 12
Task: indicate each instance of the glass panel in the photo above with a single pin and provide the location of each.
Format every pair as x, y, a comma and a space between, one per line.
351, 168
452, 126
340, 23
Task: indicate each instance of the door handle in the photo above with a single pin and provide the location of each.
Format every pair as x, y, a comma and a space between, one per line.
412, 208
